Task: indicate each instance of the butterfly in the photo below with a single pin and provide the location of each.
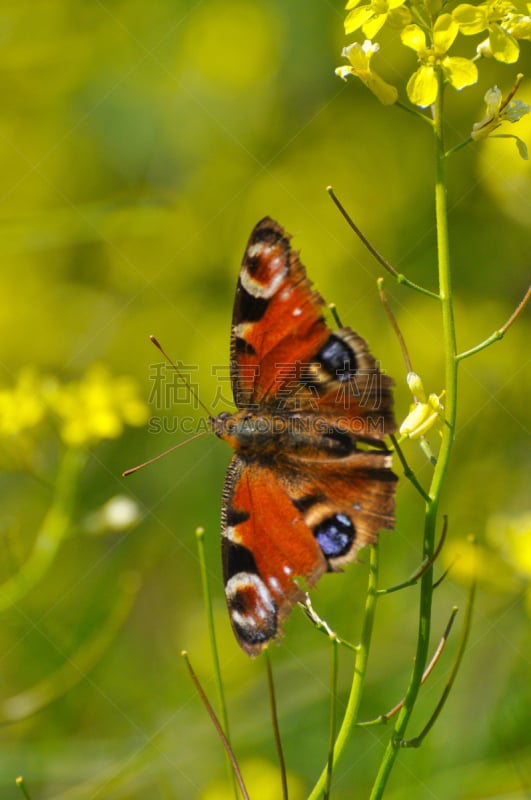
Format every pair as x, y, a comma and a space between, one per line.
310, 481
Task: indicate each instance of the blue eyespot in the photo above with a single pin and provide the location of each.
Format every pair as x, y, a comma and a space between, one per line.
335, 535
338, 359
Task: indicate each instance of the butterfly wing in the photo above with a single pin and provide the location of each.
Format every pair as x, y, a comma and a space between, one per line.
265, 545
343, 501
285, 358
284, 523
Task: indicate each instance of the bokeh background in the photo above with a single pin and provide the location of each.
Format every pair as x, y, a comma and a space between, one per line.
139, 143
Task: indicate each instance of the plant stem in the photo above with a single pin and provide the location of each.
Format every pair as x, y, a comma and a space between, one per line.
276, 728
207, 596
360, 670
54, 529
334, 645
374, 252
432, 504
500, 333
217, 724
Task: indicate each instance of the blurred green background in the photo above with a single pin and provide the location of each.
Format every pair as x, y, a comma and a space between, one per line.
139, 143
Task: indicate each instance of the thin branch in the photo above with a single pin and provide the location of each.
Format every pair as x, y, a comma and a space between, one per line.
394, 324
417, 741
276, 728
374, 252
444, 575
215, 721
207, 599
423, 568
77, 665
322, 625
333, 311
500, 333
425, 675
332, 730
22, 786
54, 529
408, 472
414, 111
457, 147
358, 679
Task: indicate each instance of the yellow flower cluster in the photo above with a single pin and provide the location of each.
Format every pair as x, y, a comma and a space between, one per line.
431, 34
423, 86
504, 22
98, 406
22, 406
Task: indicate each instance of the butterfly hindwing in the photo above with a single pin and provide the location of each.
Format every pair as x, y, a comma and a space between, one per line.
282, 524
265, 545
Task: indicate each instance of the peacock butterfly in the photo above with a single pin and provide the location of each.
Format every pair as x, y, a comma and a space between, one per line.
310, 481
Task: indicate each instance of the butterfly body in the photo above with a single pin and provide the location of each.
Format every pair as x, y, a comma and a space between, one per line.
310, 481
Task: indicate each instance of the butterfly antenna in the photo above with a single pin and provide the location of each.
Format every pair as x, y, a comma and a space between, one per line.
161, 455
180, 375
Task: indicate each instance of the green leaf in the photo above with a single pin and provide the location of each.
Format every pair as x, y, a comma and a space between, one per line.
522, 148
521, 145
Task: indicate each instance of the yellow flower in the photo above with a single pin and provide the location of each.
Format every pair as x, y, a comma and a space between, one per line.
503, 563
96, 407
373, 16
511, 536
21, 408
498, 111
424, 412
262, 780
504, 25
519, 25
360, 56
423, 86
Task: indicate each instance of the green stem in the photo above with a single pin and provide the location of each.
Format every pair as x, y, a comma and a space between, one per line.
457, 147
408, 472
334, 645
22, 786
432, 504
398, 276
218, 726
276, 727
417, 741
360, 670
207, 596
53, 530
76, 666
500, 333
